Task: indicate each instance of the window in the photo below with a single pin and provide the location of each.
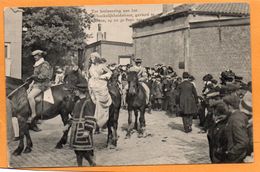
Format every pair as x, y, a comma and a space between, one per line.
7, 60
7, 51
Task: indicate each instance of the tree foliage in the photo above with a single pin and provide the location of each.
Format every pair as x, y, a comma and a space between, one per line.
57, 30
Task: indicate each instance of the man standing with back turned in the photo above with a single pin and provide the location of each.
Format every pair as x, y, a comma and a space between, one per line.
188, 101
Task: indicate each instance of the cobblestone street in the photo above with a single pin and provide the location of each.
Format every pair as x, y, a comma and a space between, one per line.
164, 143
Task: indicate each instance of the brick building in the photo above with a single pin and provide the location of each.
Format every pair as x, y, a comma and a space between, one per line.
114, 52
13, 42
198, 38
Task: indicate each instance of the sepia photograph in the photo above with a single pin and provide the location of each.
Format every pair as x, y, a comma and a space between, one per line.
122, 85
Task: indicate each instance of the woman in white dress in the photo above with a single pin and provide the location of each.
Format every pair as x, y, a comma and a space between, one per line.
99, 74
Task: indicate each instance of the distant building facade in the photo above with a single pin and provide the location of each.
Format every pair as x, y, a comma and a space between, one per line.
13, 42
113, 51
198, 38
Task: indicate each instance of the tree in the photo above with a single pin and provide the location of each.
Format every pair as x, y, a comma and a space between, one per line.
57, 30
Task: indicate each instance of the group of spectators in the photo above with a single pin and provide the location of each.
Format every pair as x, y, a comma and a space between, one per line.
224, 108
228, 121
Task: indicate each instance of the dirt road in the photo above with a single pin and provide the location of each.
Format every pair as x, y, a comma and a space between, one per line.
164, 142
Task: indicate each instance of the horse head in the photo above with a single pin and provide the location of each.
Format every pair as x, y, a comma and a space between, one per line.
73, 78
114, 77
132, 82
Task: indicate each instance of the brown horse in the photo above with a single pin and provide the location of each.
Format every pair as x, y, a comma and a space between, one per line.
64, 100
112, 123
136, 101
114, 109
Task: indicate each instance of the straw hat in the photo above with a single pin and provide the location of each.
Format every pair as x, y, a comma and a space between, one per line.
246, 104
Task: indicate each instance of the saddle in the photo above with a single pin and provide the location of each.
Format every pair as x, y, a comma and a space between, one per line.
45, 96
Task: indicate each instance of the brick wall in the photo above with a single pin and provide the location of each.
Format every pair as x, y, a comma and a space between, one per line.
167, 48
111, 52
213, 50
161, 43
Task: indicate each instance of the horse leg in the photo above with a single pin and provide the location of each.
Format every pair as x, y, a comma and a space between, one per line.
109, 135
22, 127
29, 143
136, 117
109, 126
115, 125
142, 122
64, 138
79, 156
33, 125
128, 134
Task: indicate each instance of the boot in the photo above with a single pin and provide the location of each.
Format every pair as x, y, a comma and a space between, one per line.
34, 127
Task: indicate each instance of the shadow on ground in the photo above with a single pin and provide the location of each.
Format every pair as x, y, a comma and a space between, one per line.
176, 126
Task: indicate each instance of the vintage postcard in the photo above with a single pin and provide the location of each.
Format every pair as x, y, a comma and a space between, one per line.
128, 85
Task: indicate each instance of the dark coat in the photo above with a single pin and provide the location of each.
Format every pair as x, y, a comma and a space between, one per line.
217, 141
166, 86
236, 133
188, 98
157, 91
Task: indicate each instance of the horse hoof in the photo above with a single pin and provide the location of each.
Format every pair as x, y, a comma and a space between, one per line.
114, 143
59, 146
127, 136
140, 135
93, 164
27, 150
17, 152
111, 146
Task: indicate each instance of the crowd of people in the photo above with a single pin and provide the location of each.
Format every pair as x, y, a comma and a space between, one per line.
224, 108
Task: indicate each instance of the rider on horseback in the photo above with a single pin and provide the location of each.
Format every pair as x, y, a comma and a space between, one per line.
142, 77
41, 77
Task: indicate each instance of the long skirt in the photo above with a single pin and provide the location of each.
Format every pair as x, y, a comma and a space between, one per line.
101, 97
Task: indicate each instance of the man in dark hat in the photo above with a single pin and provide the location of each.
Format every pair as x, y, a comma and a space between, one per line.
166, 87
245, 106
216, 134
83, 124
236, 131
142, 77
188, 101
206, 119
157, 93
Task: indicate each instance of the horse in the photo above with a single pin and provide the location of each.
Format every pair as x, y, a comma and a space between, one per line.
64, 100
114, 109
136, 100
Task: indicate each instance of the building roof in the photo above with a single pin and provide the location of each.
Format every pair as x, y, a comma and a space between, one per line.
222, 9
236, 9
110, 43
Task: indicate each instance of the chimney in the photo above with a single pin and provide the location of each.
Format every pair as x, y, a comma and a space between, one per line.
167, 8
99, 33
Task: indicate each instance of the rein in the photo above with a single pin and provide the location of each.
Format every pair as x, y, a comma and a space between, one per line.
14, 91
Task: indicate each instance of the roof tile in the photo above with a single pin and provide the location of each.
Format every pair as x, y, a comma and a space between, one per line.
230, 9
